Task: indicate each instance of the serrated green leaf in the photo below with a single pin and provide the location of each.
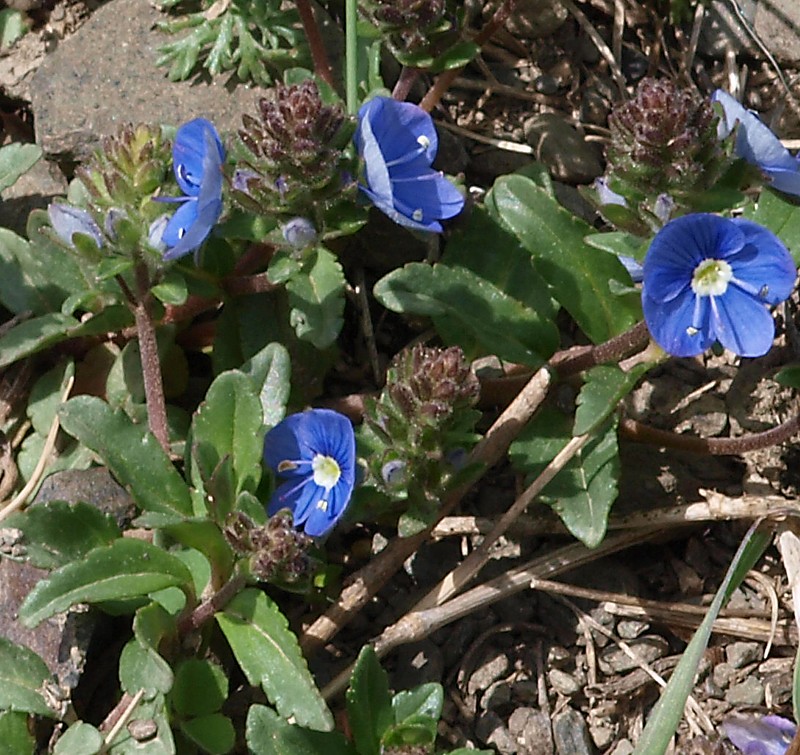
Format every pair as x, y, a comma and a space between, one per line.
606, 385
578, 277
270, 370
200, 688
782, 216
502, 325
22, 676
125, 569
80, 739
15, 158
57, 532
426, 700
132, 454
369, 702
270, 656
229, 424
316, 296
267, 733
15, 739
584, 490
214, 733
666, 714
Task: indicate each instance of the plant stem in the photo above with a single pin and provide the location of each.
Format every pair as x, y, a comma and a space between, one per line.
208, 608
322, 67
351, 55
405, 81
148, 353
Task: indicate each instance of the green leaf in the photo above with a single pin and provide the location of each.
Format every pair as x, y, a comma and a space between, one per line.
606, 385
781, 216
201, 534
789, 376
500, 324
213, 733
131, 452
456, 56
15, 158
171, 290
271, 370
584, 490
369, 703
142, 668
22, 677
619, 242
267, 733
316, 296
15, 739
45, 396
426, 700
200, 688
56, 533
147, 714
125, 569
418, 731
668, 711
577, 275
270, 656
229, 424
80, 739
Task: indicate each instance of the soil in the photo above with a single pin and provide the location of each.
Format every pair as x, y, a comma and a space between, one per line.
547, 671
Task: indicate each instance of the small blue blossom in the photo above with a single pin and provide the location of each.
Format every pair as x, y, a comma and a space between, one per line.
756, 144
314, 452
197, 158
67, 220
398, 143
770, 735
299, 233
708, 278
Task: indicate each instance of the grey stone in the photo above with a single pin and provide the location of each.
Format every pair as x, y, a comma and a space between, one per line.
602, 734
525, 691
105, 75
417, 664
563, 683
623, 747
722, 674
722, 29
532, 731
647, 649
33, 190
740, 654
490, 730
565, 152
571, 734
748, 692
629, 629
494, 665
498, 694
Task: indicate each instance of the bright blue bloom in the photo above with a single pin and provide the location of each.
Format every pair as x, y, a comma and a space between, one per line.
315, 454
67, 220
197, 158
708, 278
398, 143
756, 143
770, 735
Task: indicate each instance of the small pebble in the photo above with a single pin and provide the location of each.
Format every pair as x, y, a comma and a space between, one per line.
722, 674
563, 683
571, 734
496, 696
491, 669
613, 660
748, 692
740, 654
630, 629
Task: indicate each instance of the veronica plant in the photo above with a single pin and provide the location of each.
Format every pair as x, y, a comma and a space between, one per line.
398, 143
709, 279
769, 735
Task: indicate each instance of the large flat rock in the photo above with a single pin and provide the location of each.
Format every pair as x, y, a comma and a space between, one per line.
105, 75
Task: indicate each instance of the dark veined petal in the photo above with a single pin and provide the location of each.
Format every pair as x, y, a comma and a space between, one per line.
744, 325
770, 735
680, 246
388, 208
401, 128
68, 220
379, 187
190, 153
770, 268
668, 323
319, 520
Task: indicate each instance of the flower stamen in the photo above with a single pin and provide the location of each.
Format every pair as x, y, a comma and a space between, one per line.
326, 471
711, 277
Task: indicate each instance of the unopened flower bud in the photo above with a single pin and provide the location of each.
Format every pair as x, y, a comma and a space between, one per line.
300, 233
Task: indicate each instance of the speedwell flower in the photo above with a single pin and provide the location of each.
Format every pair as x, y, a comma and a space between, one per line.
708, 278
756, 144
67, 220
398, 143
314, 452
197, 157
770, 735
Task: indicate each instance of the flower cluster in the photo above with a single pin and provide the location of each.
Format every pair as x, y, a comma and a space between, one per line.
197, 158
709, 278
398, 143
756, 144
314, 454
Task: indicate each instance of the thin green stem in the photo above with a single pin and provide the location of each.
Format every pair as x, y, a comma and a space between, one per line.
351, 55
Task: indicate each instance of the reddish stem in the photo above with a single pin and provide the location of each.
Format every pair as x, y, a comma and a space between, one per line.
322, 67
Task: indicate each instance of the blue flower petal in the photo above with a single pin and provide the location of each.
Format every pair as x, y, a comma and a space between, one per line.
398, 127
744, 325
68, 220
668, 323
190, 153
770, 735
180, 222
771, 266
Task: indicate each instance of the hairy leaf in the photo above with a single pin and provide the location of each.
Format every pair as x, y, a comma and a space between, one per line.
22, 676
369, 702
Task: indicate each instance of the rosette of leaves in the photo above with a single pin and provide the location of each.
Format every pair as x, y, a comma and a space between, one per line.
420, 33
416, 432
663, 157
254, 38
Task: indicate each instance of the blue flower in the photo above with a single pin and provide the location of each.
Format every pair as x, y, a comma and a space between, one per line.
398, 143
315, 453
708, 278
67, 220
756, 143
770, 735
197, 157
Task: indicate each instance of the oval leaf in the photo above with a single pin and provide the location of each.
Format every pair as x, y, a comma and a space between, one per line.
22, 676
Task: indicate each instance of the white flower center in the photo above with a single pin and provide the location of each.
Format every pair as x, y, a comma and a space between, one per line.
417, 215
423, 141
711, 278
326, 471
